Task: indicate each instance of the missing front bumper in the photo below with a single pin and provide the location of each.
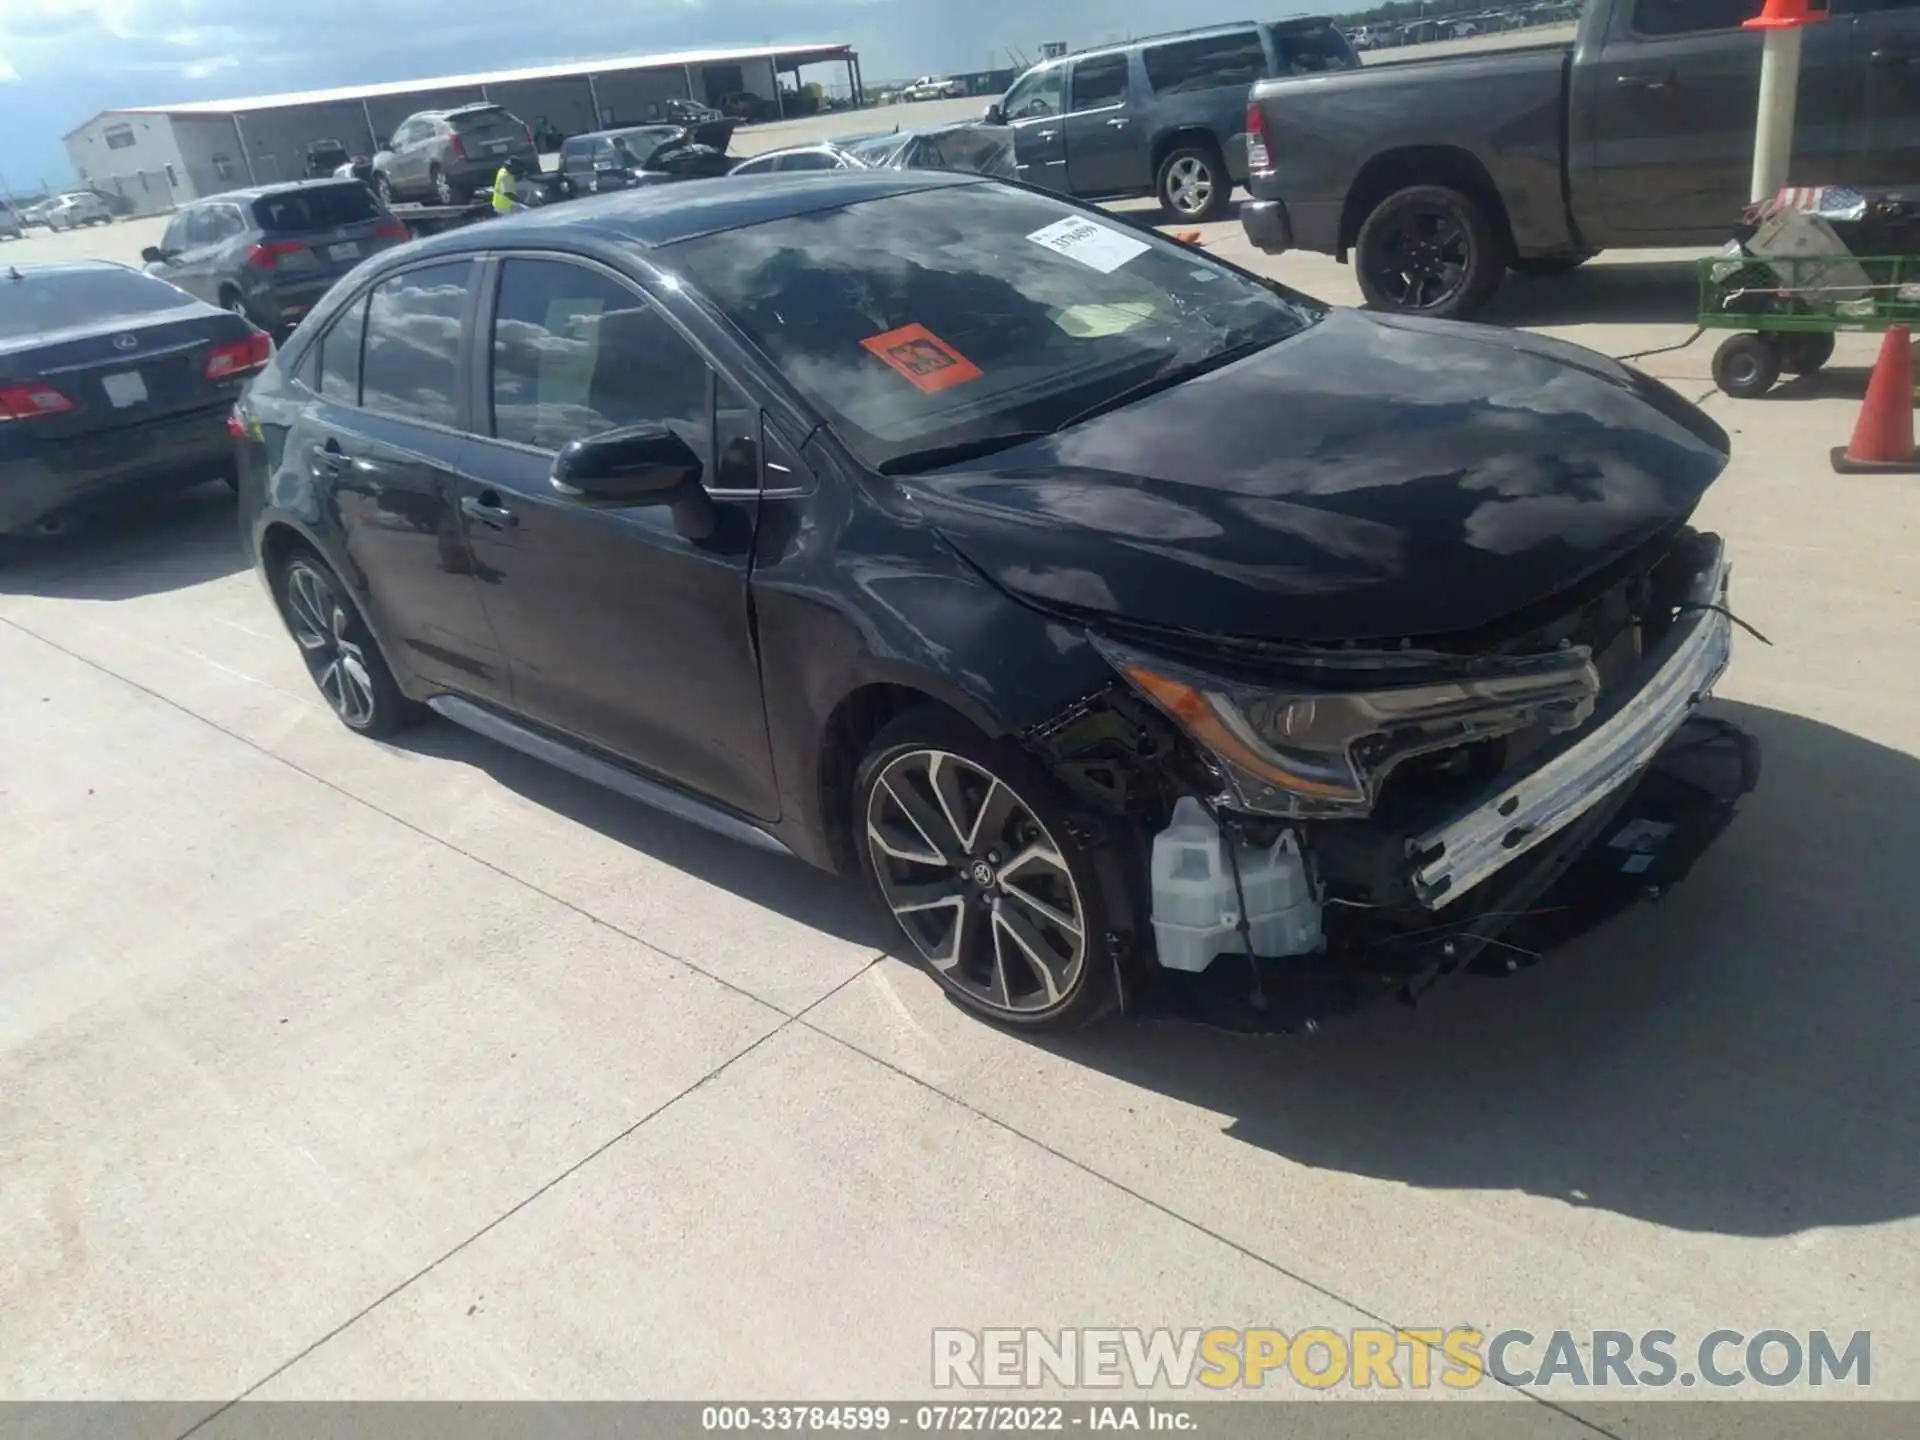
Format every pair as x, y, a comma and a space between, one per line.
1614, 748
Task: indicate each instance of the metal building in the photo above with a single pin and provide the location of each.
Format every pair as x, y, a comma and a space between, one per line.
158, 156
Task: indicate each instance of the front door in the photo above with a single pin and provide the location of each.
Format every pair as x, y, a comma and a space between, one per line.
385, 445
1665, 118
1885, 50
1105, 154
1033, 108
623, 632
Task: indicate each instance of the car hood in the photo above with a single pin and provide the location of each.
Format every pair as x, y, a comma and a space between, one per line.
1373, 477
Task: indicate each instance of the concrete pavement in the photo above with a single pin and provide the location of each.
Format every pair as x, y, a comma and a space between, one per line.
335, 1068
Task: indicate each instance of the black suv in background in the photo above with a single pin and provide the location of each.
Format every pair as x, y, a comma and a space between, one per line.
271, 252
445, 156
1163, 116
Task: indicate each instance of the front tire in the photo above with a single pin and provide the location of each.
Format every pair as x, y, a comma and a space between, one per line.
1745, 366
1429, 250
1193, 183
382, 187
341, 654
972, 849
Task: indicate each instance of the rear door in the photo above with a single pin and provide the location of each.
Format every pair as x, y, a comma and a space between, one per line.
1884, 53
1033, 108
1105, 155
384, 443
622, 632
193, 269
1664, 115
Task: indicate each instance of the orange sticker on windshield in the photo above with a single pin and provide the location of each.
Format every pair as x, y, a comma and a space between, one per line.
925, 360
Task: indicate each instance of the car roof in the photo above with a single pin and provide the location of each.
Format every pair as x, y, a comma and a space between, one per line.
282, 187
656, 215
31, 268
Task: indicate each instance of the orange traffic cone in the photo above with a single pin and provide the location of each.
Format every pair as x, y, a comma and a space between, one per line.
1187, 237
1883, 435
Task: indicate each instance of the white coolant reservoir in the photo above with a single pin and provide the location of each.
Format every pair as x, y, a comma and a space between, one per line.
1196, 910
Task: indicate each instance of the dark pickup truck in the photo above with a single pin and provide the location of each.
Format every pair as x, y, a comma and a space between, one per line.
1439, 175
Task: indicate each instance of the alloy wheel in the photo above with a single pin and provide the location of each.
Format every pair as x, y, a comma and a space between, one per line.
320, 621
977, 882
1190, 185
442, 187
1424, 259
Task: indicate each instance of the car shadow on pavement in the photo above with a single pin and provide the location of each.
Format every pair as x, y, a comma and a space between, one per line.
1638, 292
832, 904
1737, 1058
1836, 382
143, 547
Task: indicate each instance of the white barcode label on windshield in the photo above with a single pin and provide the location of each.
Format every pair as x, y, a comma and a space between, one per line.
1094, 245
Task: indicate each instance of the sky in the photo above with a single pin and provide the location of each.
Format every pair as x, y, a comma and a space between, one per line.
61, 61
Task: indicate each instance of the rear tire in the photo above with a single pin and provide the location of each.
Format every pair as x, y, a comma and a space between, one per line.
1193, 184
988, 876
382, 187
443, 193
1429, 250
340, 652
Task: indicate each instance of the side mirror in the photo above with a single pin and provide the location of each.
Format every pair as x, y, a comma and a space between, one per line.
638, 465
154, 255
995, 114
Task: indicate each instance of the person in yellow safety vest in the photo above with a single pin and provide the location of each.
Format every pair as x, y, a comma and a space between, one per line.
503, 201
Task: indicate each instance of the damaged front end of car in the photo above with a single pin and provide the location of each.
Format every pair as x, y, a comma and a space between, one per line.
1329, 823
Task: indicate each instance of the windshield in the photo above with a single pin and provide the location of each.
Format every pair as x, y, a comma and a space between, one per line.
636, 147
60, 299
942, 317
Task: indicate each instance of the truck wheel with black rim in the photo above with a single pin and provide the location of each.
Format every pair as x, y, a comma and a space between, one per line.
1193, 183
1745, 366
975, 852
1429, 250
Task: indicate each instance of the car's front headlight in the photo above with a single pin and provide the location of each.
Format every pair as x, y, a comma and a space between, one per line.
1324, 753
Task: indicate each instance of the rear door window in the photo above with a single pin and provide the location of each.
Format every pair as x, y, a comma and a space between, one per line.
338, 355
1307, 48
810, 160
1099, 82
1691, 17
324, 207
410, 367
1213, 62
200, 228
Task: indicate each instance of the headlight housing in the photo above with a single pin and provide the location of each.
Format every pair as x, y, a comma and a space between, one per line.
1325, 753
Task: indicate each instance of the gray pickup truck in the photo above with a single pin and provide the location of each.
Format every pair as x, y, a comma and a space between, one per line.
1439, 175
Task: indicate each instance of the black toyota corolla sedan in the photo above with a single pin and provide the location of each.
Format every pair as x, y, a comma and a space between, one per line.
1128, 620
111, 383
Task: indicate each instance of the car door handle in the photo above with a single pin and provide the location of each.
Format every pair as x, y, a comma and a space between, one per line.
1887, 55
330, 457
1046, 134
1119, 123
1646, 82
487, 509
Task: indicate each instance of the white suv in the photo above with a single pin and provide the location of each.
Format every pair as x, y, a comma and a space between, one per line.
82, 207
